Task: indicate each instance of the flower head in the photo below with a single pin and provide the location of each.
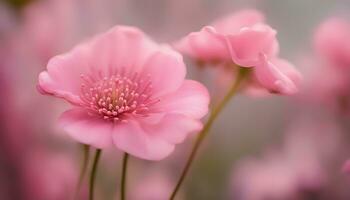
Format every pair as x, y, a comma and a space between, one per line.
128, 92
244, 39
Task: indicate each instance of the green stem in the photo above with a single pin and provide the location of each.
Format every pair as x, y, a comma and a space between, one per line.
233, 90
123, 178
86, 152
93, 174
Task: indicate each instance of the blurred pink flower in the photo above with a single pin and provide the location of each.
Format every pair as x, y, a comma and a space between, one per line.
128, 92
331, 59
297, 169
244, 39
332, 43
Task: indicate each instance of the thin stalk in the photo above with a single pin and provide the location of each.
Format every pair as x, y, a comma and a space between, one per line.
93, 173
123, 177
86, 152
233, 90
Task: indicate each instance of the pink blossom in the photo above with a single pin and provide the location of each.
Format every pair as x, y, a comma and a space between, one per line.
127, 92
332, 43
244, 39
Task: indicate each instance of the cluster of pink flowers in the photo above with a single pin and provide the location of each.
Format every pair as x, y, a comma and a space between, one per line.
125, 95
244, 39
309, 162
131, 93
132, 101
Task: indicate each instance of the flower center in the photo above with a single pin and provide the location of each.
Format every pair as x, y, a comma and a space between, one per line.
117, 96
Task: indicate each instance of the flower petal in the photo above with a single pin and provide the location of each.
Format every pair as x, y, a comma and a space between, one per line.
120, 48
62, 78
191, 99
246, 46
174, 127
86, 128
166, 70
133, 139
206, 45
154, 141
277, 76
288, 69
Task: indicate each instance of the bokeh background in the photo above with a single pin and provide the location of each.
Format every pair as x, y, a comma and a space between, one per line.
248, 150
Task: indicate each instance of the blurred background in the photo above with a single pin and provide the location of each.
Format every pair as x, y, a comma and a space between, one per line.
271, 148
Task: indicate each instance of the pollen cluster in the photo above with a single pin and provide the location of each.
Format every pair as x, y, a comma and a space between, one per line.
116, 96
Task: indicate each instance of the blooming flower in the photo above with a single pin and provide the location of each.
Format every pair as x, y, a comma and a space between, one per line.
128, 92
244, 39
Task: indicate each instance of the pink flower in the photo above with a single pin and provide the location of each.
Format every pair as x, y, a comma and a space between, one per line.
244, 39
127, 92
332, 43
